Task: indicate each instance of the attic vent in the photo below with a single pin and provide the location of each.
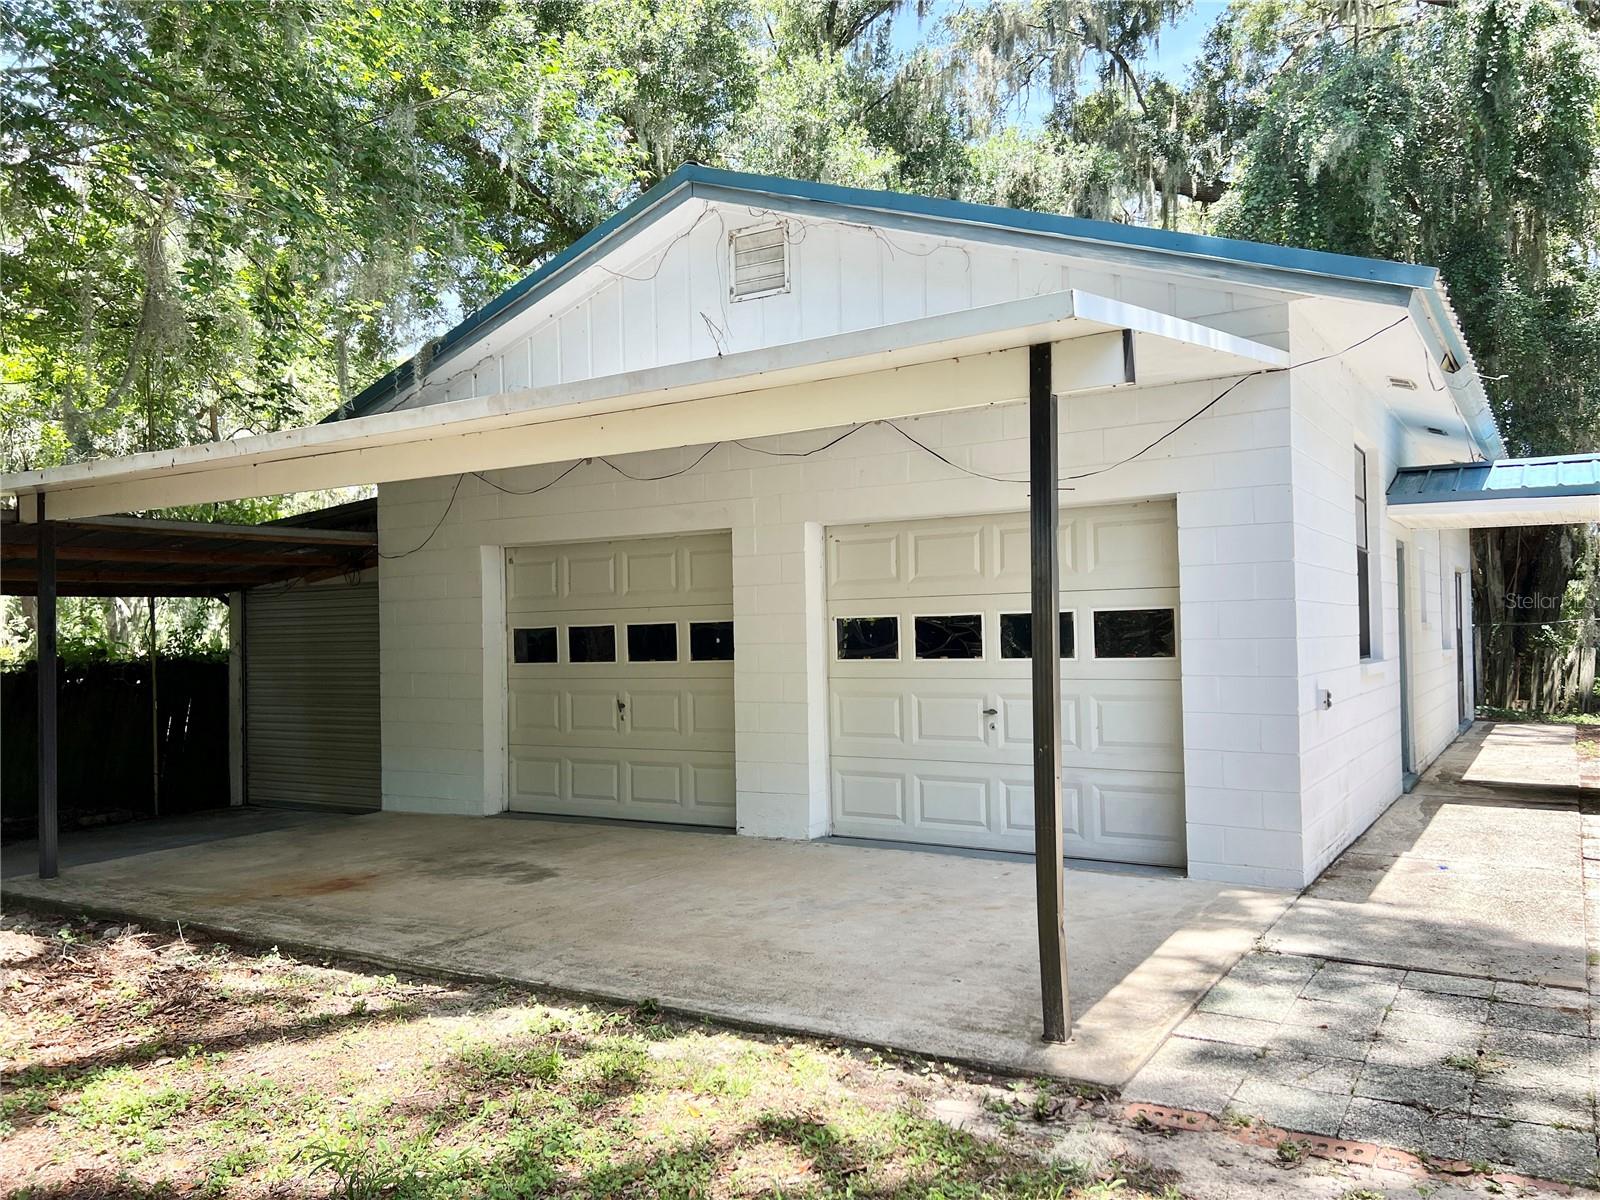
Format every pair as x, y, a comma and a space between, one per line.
760, 262
1401, 382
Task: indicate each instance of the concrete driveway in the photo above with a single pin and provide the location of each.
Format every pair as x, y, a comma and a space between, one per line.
1432, 992
934, 953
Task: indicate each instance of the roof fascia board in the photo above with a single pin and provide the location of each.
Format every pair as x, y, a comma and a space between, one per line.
1437, 331
1497, 512
1504, 494
1054, 316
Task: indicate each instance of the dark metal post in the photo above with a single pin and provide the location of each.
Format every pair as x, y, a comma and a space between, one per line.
48, 692
1044, 524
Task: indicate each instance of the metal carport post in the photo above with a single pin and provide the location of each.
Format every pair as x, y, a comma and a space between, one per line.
1044, 523
48, 693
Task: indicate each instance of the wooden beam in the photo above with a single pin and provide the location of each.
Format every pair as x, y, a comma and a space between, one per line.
222, 555
1049, 849
72, 575
48, 692
284, 534
214, 591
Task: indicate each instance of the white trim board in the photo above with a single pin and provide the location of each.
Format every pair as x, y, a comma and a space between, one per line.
965, 359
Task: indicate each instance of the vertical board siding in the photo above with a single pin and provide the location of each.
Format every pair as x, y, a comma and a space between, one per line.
663, 298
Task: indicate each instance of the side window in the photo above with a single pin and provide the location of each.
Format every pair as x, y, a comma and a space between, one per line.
1016, 635
867, 637
534, 645
591, 643
949, 637
653, 642
1363, 568
711, 641
1135, 633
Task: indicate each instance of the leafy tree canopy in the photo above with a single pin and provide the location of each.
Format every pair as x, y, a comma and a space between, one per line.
228, 215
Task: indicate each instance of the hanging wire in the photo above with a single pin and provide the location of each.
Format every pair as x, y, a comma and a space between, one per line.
921, 445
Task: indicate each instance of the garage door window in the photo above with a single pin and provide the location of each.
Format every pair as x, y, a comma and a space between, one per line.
1135, 633
535, 645
653, 642
711, 641
1016, 635
958, 636
591, 643
867, 637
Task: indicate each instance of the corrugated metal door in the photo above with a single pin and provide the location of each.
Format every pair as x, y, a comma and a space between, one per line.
311, 697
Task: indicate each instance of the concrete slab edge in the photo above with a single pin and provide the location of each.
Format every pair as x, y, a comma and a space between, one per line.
1341, 1150
255, 940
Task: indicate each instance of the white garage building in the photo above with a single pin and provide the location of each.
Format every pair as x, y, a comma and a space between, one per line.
721, 519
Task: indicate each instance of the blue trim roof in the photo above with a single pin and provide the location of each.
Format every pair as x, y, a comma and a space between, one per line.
1564, 475
683, 183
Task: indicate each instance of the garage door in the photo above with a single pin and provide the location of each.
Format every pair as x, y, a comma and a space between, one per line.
930, 710
621, 679
311, 697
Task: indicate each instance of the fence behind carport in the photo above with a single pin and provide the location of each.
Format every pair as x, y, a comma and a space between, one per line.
105, 741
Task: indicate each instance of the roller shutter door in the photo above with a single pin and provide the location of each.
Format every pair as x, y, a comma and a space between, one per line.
621, 679
930, 719
311, 697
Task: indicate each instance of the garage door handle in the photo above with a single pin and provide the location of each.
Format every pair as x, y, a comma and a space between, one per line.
622, 708
991, 712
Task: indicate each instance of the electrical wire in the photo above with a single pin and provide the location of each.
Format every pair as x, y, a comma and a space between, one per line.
437, 525
531, 491
921, 445
669, 474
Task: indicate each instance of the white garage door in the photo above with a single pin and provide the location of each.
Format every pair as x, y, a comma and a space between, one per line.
930, 709
621, 679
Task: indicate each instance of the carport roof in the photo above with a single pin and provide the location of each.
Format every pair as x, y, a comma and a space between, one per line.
146, 556
1563, 489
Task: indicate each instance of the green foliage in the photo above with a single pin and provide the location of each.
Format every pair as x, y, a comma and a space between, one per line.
1468, 139
220, 215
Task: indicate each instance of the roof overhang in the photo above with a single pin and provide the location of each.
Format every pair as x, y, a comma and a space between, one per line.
143, 556
1414, 287
970, 358
1561, 490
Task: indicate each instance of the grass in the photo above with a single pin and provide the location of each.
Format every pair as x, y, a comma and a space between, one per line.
1489, 713
194, 1068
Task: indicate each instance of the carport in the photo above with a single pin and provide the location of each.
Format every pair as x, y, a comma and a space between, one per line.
144, 556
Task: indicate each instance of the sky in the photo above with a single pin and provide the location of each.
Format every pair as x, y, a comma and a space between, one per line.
1180, 42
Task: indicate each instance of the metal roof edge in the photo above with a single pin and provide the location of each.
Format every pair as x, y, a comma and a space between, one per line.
684, 183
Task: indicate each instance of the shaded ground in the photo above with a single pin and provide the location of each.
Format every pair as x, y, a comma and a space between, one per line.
927, 952
140, 1065
1432, 991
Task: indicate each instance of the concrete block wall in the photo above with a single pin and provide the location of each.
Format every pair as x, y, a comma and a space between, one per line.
1229, 470
1350, 766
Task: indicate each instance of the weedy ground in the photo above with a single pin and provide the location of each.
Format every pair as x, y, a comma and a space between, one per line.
140, 1064
147, 1064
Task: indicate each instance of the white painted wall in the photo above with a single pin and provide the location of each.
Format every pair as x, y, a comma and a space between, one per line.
662, 297
1229, 471
1275, 784
1350, 768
